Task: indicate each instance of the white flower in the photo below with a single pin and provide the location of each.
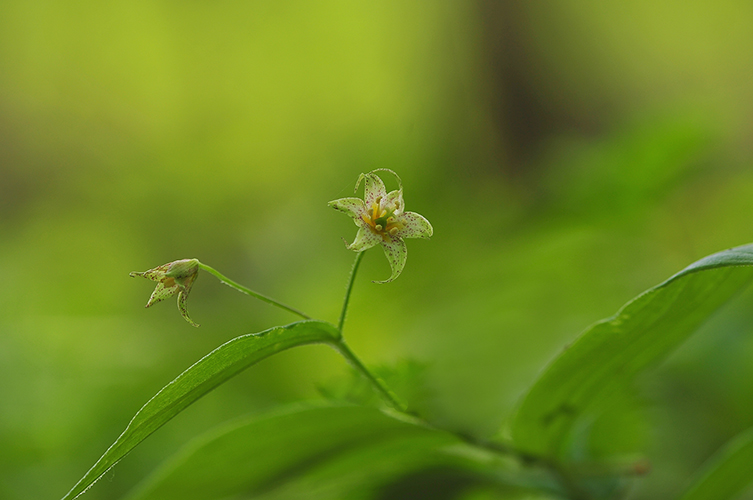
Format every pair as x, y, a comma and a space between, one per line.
382, 220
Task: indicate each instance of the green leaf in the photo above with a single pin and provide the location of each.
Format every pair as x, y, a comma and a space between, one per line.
309, 452
210, 371
607, 356
726, 474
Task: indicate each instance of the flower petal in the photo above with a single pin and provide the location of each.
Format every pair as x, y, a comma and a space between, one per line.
396, 253
156, 274
365, 239
399, 181
163, 290
395, 199
373, 188
185, 283
182, 297
414, 226
353, 207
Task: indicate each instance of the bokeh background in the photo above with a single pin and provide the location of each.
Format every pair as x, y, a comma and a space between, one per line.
569, 155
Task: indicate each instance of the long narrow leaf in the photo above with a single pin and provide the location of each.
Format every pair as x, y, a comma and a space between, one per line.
609, 354
726, 474
212, 370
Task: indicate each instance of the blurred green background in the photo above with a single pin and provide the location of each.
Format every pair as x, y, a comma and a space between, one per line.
569, 155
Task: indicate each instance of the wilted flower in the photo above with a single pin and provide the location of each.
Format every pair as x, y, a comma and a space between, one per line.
381, 219
173, 277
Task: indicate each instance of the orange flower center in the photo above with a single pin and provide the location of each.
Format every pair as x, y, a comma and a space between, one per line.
382, 220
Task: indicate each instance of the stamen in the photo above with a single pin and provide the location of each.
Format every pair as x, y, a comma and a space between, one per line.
378, 227
393, 231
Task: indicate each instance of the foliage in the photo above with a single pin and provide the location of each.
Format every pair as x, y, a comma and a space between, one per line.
569, 155
348, 451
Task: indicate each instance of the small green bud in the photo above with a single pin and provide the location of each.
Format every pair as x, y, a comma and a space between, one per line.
173, 277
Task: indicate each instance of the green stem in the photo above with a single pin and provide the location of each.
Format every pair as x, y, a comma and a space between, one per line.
250, 292
391, 399
343, 348
561, 476
351, 279
384, 391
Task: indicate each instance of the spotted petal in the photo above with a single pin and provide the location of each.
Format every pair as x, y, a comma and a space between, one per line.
163, 290
395, 199
373, 188
353, 207
184, 285
414, 226
365, 239
156, 274
396, 253
182, 297
397, 177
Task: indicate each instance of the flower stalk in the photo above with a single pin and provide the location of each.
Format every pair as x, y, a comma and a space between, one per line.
269, 300
348, 290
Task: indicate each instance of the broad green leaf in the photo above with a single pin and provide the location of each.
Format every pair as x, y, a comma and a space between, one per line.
726, 474
608, 355
371, 472
212, 370
338, 451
